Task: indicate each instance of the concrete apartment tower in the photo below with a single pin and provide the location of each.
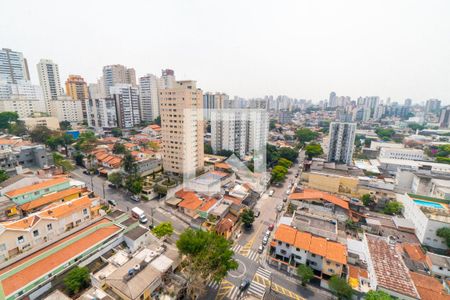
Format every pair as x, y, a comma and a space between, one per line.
117, 74
148, 90
182, 128
13, 66
341, 142
167, 79
126, 98
49, 80
77, 89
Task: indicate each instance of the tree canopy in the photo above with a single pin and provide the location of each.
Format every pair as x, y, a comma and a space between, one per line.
279, 173
119, 148
288, 153
377, 295
3, 175
248, 217
306, 135
305, 273
207, 256
313, 150
393, 208
385, 133
340, 287
285, 163
444, 233
116, 178
65, 125
207, 149
7, 118
40, 134
116, 132
77, 279
367, 199
163, 229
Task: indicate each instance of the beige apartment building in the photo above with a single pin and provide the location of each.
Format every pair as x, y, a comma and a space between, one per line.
182, 128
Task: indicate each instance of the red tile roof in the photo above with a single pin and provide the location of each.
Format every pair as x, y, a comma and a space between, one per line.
50, 198
36, 187
44, 265
414, 252
429, 288
310, 194
190, 201
208, 204
316, 245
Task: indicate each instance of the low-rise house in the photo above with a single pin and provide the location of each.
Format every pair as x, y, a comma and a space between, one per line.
387, 271
291, 247
154, 131
227, 225
439, 265
429, 288
24, 234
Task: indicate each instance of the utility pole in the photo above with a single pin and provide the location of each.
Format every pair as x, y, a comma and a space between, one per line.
103, 186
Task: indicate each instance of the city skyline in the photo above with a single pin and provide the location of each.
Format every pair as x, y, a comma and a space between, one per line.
297, 49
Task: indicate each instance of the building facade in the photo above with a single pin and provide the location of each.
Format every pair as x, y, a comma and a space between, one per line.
101, 113
126, 98
410, 154
49, 79
341, 142
77, 88
13, 66
117, 74
148, 91
182, 128
65, 108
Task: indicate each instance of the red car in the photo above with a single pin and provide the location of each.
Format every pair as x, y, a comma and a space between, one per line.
271, 226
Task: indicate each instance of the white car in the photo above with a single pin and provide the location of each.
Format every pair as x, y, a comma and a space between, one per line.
288, 192
271, 193
280, 208
265, 240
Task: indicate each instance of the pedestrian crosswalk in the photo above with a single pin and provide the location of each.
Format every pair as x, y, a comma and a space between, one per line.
258, 285
250, 254
213, 284
225, 290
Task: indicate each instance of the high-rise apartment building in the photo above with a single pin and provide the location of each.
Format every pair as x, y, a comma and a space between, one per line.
13, 66
148, 92
101, 113
64, 108
168, 79
341, 142
77, 88
444, 118
433, 106
22, 97
49, 79
408, 102
213, 101
126, 99
182, 128
117, 74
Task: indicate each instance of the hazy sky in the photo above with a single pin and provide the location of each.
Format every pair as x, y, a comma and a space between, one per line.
304, 49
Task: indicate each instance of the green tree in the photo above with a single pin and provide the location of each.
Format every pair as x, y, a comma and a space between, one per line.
18, 128
116, 178
134, 184
86, 141
128, 163
443, 160
288, 153
279, 173
444, 233
77, 279
284, 163
272, 124
116, 132
157, 120
78, 157
207, 149
207, 256
313, 150
119, 148
367, 199
40, 134
272, 155
154, 146
163, 229
340, 287
65, 125
59, 161
306, 135
247, 217
66, 140
377, 295
53, 142
3, 175
385, 133
392, 208
416, 126
305, 273
7, 118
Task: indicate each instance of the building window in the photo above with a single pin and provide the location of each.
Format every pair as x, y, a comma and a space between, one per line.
21, 239
35, 233
85, 211
49, 227
313, 255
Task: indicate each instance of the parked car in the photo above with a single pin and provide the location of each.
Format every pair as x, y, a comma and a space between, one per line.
260, 249
256, 213
288, 191
135, 198
267, 233
265, 240
271, 193
244, 284
112, 185
112, 202
284, 199
279, 207
271, 227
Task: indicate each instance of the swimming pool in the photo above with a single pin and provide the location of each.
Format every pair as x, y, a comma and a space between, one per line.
429, 204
